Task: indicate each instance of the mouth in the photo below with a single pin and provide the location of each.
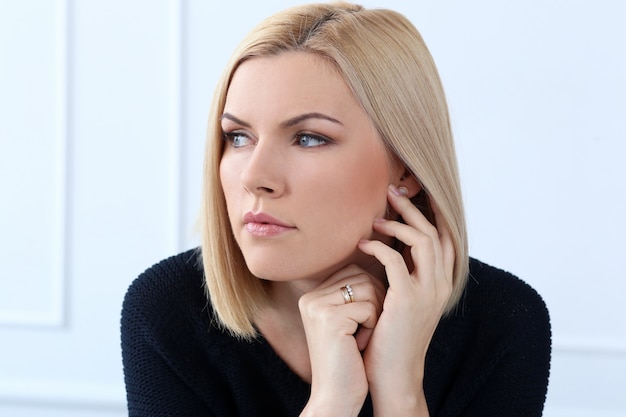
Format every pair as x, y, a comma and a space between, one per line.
264, 225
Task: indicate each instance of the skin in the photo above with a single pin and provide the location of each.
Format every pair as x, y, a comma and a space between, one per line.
300, 148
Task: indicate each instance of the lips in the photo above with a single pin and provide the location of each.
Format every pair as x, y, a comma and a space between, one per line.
264, 225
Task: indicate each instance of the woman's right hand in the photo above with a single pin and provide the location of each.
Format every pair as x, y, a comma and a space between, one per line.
336, 334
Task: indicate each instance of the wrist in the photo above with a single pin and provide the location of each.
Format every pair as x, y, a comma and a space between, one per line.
409, 407
318, 410
408, 400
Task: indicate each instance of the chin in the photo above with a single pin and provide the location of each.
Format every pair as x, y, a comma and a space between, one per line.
270, 270
280, 266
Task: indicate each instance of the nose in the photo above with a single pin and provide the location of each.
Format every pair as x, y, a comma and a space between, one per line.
263, 173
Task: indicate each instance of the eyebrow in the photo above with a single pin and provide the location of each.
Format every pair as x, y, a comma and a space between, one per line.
287, 123
234, 119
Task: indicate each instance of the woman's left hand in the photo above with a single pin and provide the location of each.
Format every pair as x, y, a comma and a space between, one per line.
415, 301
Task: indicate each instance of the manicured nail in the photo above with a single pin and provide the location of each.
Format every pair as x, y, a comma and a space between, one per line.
398, 190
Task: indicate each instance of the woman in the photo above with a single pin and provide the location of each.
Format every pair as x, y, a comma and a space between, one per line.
334, 253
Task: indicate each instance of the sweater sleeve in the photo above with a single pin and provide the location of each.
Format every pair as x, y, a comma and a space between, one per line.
155, 386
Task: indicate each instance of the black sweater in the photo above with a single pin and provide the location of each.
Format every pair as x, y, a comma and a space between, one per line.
491, 357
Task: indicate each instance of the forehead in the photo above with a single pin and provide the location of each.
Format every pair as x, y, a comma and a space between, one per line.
286, 81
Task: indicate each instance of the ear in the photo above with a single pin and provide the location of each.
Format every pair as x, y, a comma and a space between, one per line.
408, 181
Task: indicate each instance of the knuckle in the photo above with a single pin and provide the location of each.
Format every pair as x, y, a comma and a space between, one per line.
369, 292
326, 315
353, 269
430, 230
426, 251
394, 257
372, 310
309, 304
304, 300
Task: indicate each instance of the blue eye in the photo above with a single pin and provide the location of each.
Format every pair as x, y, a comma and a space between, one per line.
307, 140
236, 139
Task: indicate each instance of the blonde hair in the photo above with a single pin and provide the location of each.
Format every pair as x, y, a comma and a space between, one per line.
387, 65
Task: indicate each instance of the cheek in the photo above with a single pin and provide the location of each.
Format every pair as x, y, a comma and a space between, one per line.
228, 180
224, 172
363, 188
371, 180
231, 164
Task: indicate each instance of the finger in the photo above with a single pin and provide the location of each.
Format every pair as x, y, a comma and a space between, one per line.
362, 292
364, 314
354, 276
363, 336
349, 274
392, 260
407, 234
360, 319
343, 320
424, 248
411, 214
444, 246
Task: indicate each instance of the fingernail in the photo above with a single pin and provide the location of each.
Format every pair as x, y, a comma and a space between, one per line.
398, 190
379, 220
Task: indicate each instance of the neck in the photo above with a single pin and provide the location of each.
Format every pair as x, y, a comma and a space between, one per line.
284, 295
280, 322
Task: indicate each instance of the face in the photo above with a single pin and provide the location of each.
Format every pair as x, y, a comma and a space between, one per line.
303, 170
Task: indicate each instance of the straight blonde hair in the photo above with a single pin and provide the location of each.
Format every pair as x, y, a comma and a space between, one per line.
388, 67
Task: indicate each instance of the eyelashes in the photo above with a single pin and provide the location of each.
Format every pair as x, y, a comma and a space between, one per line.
239, 139
309, 140
236, 139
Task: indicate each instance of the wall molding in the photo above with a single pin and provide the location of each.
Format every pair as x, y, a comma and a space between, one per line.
55, 316
176, 132
588, 345
62, 393
588, 412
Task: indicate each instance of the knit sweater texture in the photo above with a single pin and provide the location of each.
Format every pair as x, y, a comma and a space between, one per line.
490, 357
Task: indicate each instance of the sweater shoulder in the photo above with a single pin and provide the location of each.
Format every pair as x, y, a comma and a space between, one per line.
172, 285
506, 291
504, 303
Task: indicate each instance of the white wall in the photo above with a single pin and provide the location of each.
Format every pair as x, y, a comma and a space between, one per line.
102, 114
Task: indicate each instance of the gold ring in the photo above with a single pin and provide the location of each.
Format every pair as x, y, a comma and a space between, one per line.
348, 294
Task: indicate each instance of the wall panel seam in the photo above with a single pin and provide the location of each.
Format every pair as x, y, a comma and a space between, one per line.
176, 128
56, 315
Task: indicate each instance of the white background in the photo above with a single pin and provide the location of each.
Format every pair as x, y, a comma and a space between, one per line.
103, 109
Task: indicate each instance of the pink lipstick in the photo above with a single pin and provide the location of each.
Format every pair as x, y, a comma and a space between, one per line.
264, 225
